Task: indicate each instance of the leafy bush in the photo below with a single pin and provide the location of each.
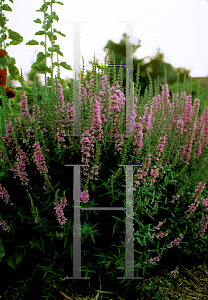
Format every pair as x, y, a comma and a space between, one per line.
33, 247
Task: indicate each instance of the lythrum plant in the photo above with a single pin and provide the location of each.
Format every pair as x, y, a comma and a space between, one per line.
170, 143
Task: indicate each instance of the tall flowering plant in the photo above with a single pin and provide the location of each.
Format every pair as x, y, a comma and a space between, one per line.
7, 63
7, 91
40, 65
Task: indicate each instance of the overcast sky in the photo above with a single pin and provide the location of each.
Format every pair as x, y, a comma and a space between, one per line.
178, 27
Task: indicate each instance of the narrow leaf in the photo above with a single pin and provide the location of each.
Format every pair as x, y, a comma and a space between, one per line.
59, 2
40, 32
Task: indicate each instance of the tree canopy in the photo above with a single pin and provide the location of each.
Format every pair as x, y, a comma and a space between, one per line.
155, 67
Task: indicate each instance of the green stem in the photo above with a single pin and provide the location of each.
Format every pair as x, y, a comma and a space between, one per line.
45, 52
52, 49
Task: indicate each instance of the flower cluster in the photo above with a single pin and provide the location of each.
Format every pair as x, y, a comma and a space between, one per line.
4, 226
162, 235
59, 211
4, 195
175, 242
175, 272
204, 221
192, 207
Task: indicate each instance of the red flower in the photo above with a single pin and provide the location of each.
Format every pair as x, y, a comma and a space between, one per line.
9, 94
3, 74
2, 52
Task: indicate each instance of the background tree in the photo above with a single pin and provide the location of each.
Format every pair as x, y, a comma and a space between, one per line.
155, 66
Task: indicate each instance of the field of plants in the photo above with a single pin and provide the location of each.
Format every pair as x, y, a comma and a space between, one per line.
113, 211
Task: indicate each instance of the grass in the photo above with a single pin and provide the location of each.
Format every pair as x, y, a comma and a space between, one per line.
190, 284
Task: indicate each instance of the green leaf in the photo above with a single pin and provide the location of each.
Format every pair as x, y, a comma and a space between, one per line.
24, 140
11, 113
44, 7
59, 32
66, 66
18, 258
92, 238
42, 56
2, 252
47, 25
116, 218
49, 34
10, 262
13, 35
156, 206
6, 7
114, 226
41, 32
32, 42
13, 71
37, 21
59, 2
54, 48
2, 20
40, 68
59, 53
12, 61
3, 61
54, 16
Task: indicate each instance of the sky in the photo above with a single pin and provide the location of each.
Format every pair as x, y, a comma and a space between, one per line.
178, 27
